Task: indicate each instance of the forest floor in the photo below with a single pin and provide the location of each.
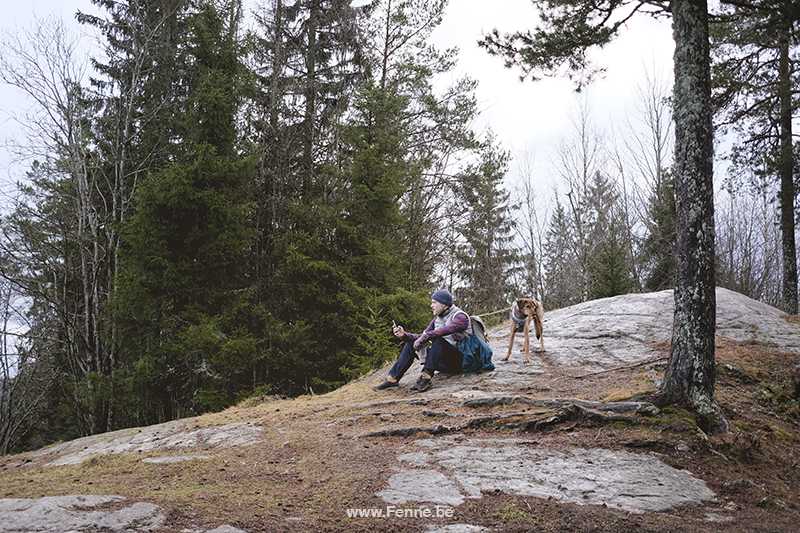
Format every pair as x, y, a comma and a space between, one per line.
561, 443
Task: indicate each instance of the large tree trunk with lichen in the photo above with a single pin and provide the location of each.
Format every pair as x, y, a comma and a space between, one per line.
689, 378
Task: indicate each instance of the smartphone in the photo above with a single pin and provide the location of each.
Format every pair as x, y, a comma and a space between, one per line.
394, 326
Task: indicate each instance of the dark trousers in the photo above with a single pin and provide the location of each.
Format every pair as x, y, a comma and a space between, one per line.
442, 356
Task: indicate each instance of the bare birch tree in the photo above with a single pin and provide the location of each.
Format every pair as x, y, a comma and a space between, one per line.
749, 244
25, 382
46, 64
579, 160
643, 156
532, 219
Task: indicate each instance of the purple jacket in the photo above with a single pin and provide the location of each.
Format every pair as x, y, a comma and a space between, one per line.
458, 324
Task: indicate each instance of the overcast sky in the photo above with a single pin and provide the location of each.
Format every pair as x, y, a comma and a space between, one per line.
535, 111
529, 116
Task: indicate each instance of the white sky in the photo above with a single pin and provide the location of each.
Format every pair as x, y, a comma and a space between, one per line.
532, 112
527, 116
19, 16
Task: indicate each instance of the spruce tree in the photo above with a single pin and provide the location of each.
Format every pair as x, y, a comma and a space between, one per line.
372, 266
610, 266
438, 123
562, 285
487, 256
658, 249
342, 104
182, 281
308, 64
612, 273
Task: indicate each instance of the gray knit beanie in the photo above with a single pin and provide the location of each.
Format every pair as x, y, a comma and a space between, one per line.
443, 297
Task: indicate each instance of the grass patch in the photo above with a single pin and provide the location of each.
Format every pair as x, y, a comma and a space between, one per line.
512, 513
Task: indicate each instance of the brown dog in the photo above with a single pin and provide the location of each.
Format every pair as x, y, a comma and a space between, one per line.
525, 311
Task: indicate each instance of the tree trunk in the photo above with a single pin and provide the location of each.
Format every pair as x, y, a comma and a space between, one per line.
786, 171
690, 375
310, 90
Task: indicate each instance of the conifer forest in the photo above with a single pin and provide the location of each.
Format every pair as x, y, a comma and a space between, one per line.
225, 201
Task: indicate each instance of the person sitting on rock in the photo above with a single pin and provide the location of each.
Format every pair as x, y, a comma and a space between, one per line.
448, 327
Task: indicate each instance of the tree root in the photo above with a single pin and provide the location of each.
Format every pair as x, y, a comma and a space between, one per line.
623, 367
437, 429
571, 413
406, 401
643, 408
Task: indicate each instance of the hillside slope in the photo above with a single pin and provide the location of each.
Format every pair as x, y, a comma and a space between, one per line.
557, 444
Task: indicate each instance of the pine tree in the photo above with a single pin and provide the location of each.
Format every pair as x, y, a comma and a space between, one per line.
690, 375
568, 29
755, 81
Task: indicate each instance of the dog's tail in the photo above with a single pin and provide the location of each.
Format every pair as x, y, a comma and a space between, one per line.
538, 325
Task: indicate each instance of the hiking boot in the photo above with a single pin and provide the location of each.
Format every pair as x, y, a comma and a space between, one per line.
386, 385
422, 384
